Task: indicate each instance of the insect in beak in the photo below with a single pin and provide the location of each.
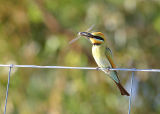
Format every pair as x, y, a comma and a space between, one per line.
79, 34
86, 34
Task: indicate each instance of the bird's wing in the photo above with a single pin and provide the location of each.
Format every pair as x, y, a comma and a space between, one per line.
108, 54
113, 74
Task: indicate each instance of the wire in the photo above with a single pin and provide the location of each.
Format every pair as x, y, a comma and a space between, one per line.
9, 74
67, 67
84, 68
130, 97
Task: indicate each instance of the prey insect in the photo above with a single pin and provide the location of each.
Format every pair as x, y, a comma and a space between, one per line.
79, 36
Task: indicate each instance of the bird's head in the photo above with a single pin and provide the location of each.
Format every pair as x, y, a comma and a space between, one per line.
96, 38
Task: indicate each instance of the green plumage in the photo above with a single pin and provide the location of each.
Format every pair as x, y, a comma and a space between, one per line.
103, 57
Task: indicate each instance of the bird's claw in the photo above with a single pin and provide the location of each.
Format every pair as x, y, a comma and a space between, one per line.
107, 69
98, 68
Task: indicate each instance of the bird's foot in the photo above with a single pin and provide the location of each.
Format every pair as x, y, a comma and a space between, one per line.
98, 68
107, 69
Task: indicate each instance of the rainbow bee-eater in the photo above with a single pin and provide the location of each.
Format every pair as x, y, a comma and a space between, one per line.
103, 56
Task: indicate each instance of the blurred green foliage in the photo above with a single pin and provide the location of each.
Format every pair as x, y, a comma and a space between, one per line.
38, 31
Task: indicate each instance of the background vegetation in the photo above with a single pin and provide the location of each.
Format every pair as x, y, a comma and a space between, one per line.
38, 31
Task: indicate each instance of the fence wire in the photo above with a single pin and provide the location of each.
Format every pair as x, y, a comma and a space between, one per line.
82, 68
9, 75
130, 97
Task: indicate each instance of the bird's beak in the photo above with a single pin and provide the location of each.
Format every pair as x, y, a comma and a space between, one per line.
86, 34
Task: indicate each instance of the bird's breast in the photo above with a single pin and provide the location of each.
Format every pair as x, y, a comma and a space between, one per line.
98, 53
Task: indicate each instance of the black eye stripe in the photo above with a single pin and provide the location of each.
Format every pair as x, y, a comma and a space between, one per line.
98, 37
89, 35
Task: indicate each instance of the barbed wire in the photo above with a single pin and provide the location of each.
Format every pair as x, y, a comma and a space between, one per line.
82, 68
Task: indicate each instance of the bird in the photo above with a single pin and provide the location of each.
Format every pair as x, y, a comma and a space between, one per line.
103, 57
